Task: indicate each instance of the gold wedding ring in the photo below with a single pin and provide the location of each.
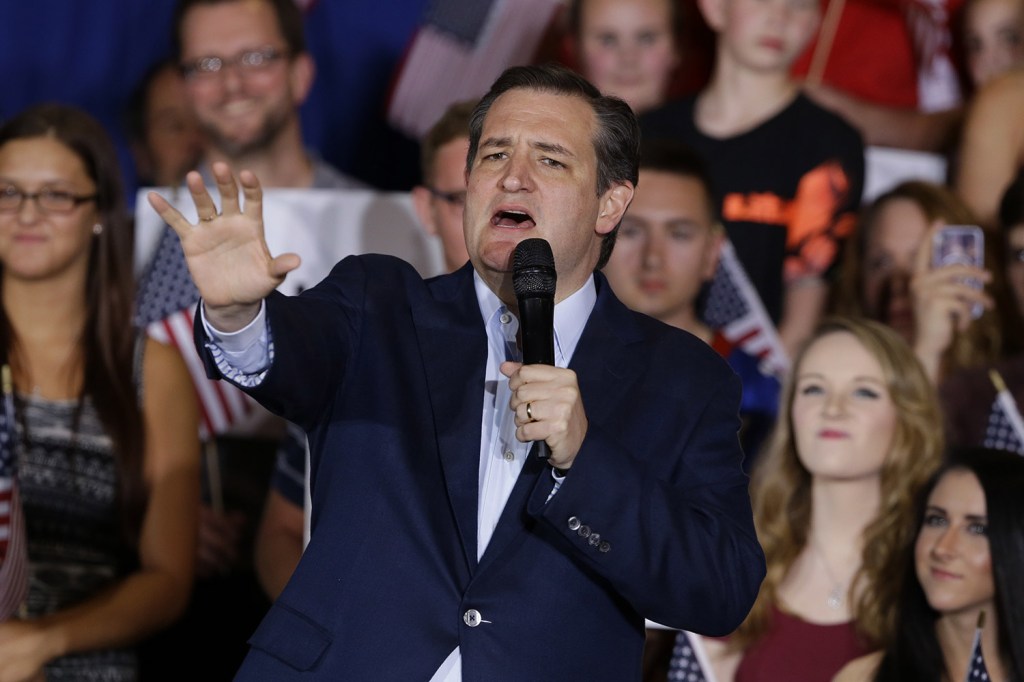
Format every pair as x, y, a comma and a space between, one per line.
529, 413
207, 219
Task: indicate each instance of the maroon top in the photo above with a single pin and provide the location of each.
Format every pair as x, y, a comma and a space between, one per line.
793, 649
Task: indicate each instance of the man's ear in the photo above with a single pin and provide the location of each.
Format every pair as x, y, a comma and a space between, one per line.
713, 12
301, 72
614, 203
421, 204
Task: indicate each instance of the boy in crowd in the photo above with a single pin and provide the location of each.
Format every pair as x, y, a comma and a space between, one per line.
789, 174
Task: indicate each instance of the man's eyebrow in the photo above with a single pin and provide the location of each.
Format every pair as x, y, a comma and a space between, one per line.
496, 142
553, 148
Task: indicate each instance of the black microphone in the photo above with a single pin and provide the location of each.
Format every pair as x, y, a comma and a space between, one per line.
533, 279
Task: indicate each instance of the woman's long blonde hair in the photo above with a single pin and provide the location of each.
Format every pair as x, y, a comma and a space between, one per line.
781, 485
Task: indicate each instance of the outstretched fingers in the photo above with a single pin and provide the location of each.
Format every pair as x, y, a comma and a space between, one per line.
227, 188
253, 195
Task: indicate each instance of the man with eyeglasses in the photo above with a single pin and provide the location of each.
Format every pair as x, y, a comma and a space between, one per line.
441, 197
247, 72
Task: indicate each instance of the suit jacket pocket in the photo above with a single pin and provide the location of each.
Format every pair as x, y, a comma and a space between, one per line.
291, 637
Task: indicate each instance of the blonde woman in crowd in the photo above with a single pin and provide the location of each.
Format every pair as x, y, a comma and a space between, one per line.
854, 443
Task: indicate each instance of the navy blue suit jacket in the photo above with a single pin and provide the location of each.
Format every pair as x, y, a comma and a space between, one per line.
385, 372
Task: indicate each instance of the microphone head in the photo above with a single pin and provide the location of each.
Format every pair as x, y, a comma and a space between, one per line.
533, 269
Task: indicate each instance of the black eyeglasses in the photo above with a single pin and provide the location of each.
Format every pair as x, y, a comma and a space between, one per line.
457, 199
48, 200
249, 61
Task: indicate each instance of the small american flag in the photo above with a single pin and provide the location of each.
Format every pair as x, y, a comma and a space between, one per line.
166, 308
13, 544
976, 670
1005, 430
685, 664
734, 309
461, 47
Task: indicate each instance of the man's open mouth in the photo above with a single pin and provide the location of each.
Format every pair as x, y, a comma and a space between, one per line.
513, 219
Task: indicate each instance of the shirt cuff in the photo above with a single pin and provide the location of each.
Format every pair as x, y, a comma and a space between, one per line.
242, 356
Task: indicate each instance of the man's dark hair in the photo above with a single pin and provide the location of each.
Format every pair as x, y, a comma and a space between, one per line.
289, 21
677, 158
617, 142
452, 125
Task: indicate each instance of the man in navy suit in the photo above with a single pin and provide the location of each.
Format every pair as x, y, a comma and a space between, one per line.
442, 549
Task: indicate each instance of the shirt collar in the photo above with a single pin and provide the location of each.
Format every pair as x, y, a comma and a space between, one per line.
571, 315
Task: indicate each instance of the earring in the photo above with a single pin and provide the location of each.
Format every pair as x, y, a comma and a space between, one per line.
97, 229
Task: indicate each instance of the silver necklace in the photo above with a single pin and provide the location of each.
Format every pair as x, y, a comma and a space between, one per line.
836, 595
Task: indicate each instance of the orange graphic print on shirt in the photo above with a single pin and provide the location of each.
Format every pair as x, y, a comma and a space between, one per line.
813, 219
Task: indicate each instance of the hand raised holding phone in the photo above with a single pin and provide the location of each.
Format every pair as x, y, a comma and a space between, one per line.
947, 289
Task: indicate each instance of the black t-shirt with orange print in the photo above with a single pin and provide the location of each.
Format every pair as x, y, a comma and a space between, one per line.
788, 189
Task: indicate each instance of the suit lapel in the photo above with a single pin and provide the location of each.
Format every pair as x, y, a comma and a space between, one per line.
604, 365
454, 351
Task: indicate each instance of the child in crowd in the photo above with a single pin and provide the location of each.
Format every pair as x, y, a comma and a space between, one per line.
789, 173
627, 48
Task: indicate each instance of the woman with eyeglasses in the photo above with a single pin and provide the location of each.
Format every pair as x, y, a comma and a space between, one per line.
968, 558
100, 422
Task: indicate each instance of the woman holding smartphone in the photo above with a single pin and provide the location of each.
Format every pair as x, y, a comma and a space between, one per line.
890, 274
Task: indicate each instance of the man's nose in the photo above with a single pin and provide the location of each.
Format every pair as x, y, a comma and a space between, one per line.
516, 176
231, 77
653, 251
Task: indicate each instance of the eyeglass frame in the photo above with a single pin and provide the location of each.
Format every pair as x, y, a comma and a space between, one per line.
456, 198
268, 53
75, 199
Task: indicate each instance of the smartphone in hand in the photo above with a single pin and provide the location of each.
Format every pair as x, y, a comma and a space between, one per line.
961, 245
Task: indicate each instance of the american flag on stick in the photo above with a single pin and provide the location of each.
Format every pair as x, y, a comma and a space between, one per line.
734, 308
689, 662
1005, 430
976, 670
13, 542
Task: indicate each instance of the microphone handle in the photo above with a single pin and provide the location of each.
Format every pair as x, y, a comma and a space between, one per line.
537, 319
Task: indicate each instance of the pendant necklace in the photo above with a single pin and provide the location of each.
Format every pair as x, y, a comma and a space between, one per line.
835, 596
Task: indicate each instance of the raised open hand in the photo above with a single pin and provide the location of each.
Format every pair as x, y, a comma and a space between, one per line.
226, 252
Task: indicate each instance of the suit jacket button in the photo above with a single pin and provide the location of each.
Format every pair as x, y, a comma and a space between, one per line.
594, 539
584, 531
472, 618
574, 523
604, 547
